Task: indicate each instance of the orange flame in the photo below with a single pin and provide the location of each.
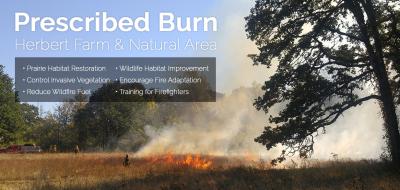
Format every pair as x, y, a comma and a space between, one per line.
189, 160
196, 162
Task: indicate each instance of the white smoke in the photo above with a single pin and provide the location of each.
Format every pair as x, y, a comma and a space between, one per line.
358, 134
229, 126
226, 127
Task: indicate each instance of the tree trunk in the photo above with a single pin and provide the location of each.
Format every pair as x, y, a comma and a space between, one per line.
390, 119
376, 58
388, 107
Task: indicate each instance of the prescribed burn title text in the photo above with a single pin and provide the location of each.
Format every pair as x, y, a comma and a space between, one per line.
102, 22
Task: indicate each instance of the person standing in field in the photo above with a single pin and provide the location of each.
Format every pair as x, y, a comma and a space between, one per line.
126, 162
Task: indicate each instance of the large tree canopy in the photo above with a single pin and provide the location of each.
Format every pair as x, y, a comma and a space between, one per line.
331, 55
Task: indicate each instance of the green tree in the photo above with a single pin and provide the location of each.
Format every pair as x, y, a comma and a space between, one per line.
31, 121
66, 130
328, 52
10, 118
109, 115
55, 128
45, 134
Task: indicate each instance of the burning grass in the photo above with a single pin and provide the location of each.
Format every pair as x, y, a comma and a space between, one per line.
189, 160
181, 172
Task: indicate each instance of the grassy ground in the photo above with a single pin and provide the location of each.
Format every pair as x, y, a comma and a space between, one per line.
105, 171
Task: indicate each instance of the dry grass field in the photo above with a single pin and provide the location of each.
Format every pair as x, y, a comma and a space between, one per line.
185, 172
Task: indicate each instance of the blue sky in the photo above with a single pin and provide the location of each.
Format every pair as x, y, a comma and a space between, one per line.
232, 45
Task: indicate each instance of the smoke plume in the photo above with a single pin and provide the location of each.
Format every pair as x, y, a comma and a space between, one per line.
229, 126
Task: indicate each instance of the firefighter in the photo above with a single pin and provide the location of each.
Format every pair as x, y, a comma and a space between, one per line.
126, 161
